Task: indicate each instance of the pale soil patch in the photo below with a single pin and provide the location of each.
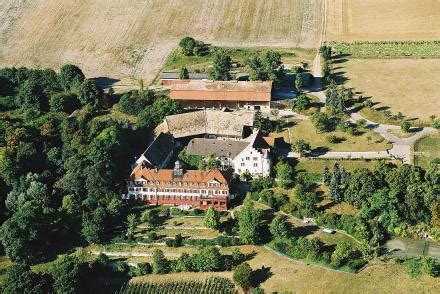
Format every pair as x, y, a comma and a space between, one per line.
410, 86
343, 208
401, 134
378, 20
130, 39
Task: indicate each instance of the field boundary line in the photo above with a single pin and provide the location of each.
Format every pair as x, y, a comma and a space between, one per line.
304, 262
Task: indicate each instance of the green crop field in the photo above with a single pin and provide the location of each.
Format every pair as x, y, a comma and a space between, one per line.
210, 285
388, 49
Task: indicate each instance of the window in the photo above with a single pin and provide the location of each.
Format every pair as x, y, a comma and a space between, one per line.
255, 158
248, 158
255, 164
242, 164
239, 171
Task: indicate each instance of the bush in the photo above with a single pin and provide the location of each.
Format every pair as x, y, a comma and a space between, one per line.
431, 267
187, 45
356, 264
334, 139
242, 274
7, 103
342, 254
176, 242
218, 241
405, 126
301, 103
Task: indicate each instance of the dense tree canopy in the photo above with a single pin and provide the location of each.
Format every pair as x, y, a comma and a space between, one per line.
266, 66
27, 235
19, 278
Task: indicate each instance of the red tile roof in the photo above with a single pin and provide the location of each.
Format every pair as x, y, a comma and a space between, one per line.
221, 90
189, 176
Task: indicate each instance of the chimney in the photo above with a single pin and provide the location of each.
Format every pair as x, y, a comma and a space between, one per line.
178, 171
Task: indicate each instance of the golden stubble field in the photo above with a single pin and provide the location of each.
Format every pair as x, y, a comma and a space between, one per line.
379, 20
408, 85
130, 39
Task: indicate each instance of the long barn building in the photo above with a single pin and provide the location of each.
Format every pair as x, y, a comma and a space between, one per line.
219, 94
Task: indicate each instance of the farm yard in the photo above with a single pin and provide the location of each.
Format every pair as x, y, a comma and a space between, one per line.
130, 40
378, 20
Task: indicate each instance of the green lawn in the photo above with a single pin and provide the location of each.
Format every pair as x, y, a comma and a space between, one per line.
303, 129
426, 149
177, 60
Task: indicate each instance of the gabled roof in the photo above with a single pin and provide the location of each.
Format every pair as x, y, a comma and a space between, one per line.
167, 175
221, 90
214, 122
170, 75
158, 150
218, 148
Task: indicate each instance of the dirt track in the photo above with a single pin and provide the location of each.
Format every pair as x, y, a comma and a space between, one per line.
130, 39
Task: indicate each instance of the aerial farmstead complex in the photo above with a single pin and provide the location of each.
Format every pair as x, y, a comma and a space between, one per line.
228, 136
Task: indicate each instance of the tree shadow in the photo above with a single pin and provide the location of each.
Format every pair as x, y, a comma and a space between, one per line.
260, 275
304, 230
382, 108
339, 60
326, 206
105, 82
250, 256
339, 77
340, 56
320, 151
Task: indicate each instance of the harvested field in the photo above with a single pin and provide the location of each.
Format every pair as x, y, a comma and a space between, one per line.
131, 39
301, 278
410, 86
378, 20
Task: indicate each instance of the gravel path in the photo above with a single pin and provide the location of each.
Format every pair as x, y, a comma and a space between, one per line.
401, 146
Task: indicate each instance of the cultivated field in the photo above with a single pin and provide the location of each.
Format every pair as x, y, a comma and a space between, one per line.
130, 39
411, 86
378, 20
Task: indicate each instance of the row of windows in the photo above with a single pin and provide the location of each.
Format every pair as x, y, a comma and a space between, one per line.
179, 198
255, 164
215, 192
249, 158
178, 183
